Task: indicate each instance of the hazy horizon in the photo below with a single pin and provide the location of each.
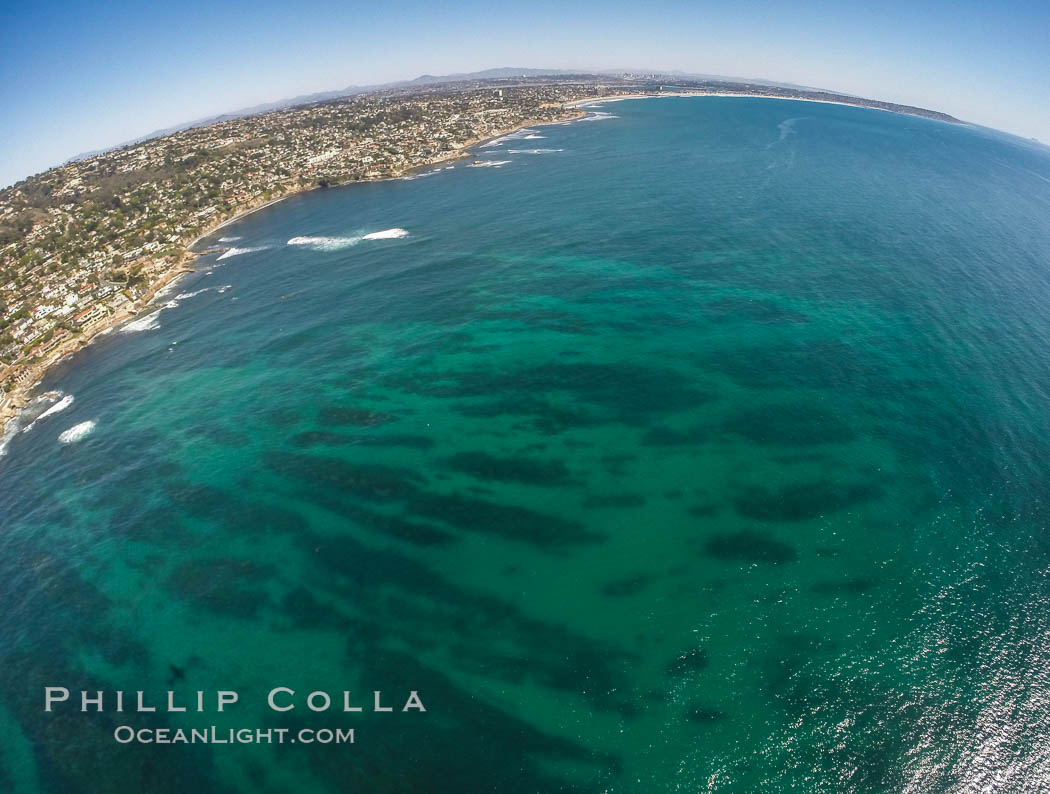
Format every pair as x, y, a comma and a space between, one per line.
451, 77
73, 70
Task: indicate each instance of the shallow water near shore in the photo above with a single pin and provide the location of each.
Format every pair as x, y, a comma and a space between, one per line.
703, 447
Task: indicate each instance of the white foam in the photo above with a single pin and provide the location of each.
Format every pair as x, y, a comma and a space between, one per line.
420, 175
14, 425
229, 239
56, 401
61, 405
325, 243
336, 243
522, 133
534, 137
165, 290
147, 323
76, 432
238, 251
223, 288
597, 115
533, 151
184, 295
489, 164
386, 234
104, 332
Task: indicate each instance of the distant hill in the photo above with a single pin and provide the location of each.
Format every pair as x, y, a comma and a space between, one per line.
255, 110
489, 74
324, 96
503, 72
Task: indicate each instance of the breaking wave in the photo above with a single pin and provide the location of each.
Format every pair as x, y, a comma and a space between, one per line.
325, 243
525, 132
76, 432
100, 334
420, 175
489, 164
55, 401
592, 115
336, 243
59, 406
5, 439
167, 288
229, 239
147, 323
386, 234
533, 151
184, 295
238, 251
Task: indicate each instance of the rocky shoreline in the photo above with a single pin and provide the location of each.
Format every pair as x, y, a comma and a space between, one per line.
31, 379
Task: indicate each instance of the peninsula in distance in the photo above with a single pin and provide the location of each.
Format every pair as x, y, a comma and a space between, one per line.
88, 245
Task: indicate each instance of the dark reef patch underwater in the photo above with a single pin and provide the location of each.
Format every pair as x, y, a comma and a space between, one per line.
682, 457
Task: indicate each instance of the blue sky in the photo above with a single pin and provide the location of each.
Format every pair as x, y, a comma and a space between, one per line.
77, 75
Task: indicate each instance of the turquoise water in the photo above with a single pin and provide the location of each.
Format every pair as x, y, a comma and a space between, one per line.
704, 449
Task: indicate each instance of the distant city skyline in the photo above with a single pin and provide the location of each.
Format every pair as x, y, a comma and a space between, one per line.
79, 77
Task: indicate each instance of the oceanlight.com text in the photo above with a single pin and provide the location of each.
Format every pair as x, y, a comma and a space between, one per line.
125, 734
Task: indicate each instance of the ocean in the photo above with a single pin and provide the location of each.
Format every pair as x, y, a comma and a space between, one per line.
702, 445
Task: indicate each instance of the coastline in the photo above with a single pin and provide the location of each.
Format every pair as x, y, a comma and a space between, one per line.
236, 217
457, 154
621, 97
20, 396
